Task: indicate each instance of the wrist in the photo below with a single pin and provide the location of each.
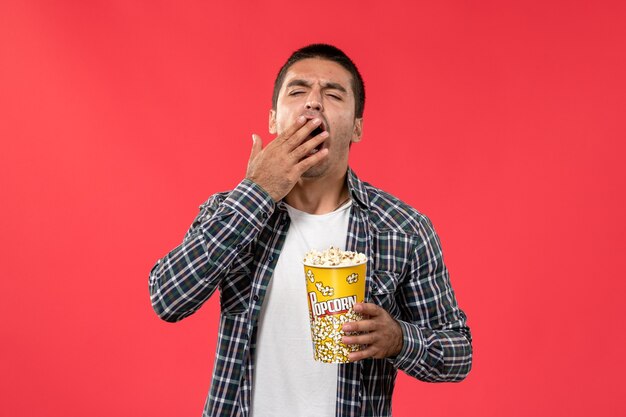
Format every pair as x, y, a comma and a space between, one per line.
399, 339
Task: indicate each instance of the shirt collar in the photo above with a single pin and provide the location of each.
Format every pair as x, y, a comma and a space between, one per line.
357, 189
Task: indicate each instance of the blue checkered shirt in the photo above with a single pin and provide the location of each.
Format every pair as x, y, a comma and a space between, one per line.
233, 245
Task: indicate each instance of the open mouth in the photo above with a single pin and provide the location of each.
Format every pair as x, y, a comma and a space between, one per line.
313, 134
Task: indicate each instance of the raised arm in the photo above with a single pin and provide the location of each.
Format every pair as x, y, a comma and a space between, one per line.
186, 277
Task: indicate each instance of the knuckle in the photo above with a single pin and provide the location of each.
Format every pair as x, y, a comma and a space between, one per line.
301, 151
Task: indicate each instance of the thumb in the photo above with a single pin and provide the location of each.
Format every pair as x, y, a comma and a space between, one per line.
257, 146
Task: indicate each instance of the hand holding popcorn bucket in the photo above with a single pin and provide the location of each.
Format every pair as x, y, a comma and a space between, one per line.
335, 281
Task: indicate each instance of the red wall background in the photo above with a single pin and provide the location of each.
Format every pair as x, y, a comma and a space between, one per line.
502, 121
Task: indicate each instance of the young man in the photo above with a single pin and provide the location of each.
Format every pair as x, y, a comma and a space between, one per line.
300, 194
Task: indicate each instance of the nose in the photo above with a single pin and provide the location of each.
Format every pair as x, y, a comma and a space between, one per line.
314, 101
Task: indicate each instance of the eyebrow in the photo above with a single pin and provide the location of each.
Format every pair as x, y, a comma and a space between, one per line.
326, 85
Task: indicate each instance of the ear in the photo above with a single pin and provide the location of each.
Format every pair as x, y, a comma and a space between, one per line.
357, 131
272, 122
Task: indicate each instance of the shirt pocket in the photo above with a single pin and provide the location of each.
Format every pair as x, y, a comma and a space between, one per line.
383, 291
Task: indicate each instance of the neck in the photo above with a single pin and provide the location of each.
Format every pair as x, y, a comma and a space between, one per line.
318, 195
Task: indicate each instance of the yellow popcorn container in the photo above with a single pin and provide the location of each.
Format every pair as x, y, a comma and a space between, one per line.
332, 292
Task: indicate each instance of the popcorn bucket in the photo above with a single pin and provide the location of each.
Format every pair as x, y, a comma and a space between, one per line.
332, 291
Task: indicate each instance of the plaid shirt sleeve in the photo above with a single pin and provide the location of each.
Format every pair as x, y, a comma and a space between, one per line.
437, 341
186, 277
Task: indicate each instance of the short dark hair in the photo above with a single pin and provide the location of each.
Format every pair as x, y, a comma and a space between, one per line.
331, 53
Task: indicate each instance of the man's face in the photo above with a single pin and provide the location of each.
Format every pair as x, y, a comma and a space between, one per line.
320, 88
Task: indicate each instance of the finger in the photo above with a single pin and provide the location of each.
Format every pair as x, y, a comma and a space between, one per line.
310, 161
368, 308
362, 339
300, 135
360, 326
305, 149
291, 130
257, 146
368, 352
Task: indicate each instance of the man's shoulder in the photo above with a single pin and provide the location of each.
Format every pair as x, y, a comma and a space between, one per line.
388, 212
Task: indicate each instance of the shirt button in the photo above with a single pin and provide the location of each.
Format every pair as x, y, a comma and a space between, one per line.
264, 215
271, 259
238, 247
255, 297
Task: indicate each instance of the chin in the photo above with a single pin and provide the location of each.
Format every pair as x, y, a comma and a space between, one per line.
315, 171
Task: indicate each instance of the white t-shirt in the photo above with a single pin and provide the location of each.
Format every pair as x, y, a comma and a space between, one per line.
288, 381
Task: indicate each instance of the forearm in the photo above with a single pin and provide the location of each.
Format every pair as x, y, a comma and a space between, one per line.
435, 355
186, 277
181, 281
